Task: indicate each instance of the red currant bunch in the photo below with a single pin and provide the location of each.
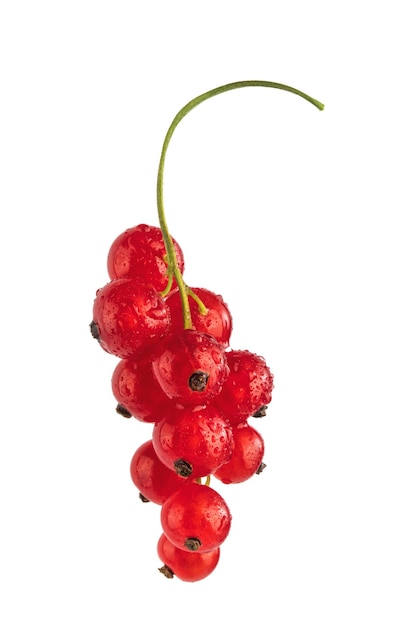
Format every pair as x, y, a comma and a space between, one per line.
196, 392
177, 372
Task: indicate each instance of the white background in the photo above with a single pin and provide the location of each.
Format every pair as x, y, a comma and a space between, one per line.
303, 220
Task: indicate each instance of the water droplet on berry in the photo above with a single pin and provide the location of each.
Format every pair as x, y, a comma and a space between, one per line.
216, 356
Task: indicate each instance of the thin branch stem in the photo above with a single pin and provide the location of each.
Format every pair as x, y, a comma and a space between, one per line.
173, 269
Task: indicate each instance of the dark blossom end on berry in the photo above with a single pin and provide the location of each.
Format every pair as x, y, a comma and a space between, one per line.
94, 330
261, 412
183, 468
198, 381
192, 543
121, 410
260, 468
166, 571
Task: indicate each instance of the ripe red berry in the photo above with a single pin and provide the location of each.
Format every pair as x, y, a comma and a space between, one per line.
193, 441
129, 316
153, 479
187, 566
217, 321
196, 518
191, 367
246, 457
137, 391
140, 252
248, 387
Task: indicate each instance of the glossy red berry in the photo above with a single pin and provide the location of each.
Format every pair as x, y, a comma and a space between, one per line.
193, 441
248, 387
129, 316
137, 391
185, 565
153, 479
191, 367
196, 518
140, 252
217, 321
246, 457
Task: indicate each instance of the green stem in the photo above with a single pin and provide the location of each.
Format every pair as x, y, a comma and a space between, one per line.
201, 306
173, 269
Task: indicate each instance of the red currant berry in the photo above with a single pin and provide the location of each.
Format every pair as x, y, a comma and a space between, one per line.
187, 566
153, 479
128, 317
246, 457
140, 252
191, 367
137, 391
193, 441
248, 387
196, 518
216, 322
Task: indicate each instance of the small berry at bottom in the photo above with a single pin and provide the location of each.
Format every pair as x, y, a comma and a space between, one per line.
187, 566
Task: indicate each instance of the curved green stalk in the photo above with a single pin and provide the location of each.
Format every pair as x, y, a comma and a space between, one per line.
173, 269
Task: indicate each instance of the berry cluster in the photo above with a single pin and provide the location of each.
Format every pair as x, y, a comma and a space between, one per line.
196, 391
177, 372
